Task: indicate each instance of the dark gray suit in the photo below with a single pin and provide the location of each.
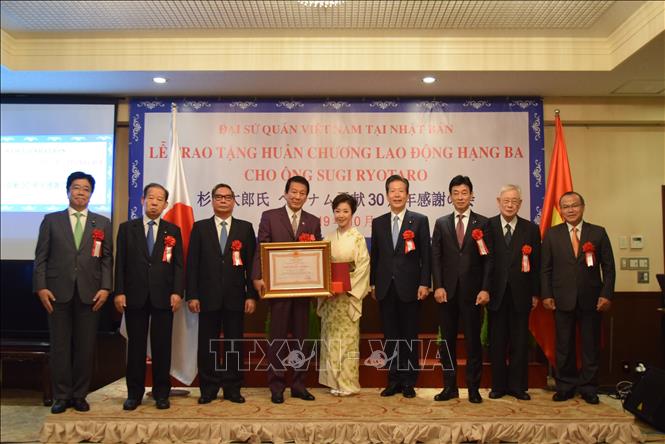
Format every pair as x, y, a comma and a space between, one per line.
73, 276
576, 288
396, 276
510, 303
463, 273
221, 289
147, 283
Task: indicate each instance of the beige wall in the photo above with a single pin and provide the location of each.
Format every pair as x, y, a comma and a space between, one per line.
616, 149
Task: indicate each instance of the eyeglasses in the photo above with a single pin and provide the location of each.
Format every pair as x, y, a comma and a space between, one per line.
79, 188
223, 197
573, 206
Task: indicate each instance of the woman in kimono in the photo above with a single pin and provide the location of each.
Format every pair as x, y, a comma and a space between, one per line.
340, 313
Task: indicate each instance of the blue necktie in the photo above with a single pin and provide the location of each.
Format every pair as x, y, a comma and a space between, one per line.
395, 231
222, 237
151, 237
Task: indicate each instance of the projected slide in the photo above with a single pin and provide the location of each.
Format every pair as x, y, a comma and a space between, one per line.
33, 168
41, 144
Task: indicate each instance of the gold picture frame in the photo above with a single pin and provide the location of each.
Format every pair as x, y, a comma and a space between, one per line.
296, 269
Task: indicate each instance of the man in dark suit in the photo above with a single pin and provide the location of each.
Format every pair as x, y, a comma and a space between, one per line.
462, 271
73, 277
287, 224
219, 289
515, 286
149, 284
400, 276
578, 284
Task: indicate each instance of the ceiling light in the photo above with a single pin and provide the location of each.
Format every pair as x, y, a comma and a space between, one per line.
321, 3
160, 80
429, 79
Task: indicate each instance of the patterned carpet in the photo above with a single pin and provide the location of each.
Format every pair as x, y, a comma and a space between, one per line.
358, 419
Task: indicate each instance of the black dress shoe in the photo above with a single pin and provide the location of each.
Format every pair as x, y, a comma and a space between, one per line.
206, 399
162, 404
81, 405
234, 397
408, 392
277, 398
131, 404
519, 394
59, 406
391, 390
304, 395
496, 394
447, 394
562, 396
590, 398
474, 396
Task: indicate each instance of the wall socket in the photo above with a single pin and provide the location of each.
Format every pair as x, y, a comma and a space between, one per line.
642, 277
634, 263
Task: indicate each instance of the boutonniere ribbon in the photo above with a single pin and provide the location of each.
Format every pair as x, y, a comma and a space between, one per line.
236, 245
97, 238
409, 244
169, 243
477, 234
526, 251
589, 254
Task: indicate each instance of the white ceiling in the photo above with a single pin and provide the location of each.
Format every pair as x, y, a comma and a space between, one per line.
35, 30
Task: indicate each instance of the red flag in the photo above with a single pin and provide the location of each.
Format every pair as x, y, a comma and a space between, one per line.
559, 181
180, 212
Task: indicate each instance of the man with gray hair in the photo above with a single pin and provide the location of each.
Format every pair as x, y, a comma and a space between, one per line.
515, 287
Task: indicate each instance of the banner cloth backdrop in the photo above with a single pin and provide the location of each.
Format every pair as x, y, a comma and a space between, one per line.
342, 145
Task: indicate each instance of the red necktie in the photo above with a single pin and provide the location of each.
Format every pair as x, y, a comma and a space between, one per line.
460, 230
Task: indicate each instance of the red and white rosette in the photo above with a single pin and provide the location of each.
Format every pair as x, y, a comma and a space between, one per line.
97, 238
409, 244
236, 245
306, 237
169, 243
477, 235
526, 251
589, 254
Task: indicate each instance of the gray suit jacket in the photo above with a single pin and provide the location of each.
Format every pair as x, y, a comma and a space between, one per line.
567, 278
59, 265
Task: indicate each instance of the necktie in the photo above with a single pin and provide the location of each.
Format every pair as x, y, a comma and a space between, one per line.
395, 231
222, 237
460, 230
78, 230
575, 241
150, 238
294, 224
509, 234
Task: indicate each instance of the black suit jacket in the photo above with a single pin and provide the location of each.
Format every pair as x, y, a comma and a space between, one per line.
507, 261
211, 277
138, 275
410, 270
461, 269
59, 265
567, 278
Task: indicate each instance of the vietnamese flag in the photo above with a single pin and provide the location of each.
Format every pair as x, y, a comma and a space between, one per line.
180, 212
559, 181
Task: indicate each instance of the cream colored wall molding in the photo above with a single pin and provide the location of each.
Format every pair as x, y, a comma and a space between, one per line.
641, 27
293, 53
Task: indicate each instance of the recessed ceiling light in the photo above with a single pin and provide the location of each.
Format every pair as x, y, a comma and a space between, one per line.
429, 79
160, 80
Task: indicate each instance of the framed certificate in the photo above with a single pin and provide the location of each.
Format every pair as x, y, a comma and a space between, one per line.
296, 269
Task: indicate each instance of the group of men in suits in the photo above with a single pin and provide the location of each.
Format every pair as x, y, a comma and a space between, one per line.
470, 262
475, 261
